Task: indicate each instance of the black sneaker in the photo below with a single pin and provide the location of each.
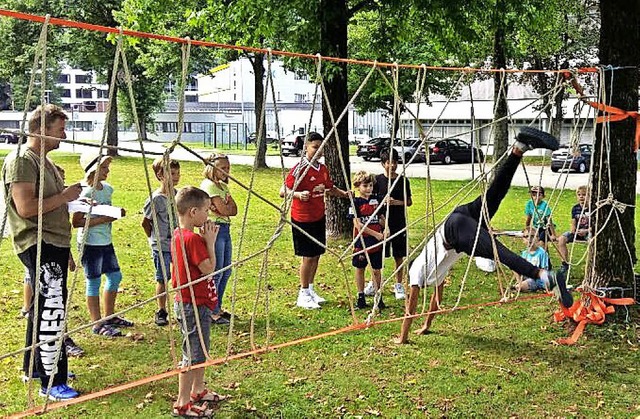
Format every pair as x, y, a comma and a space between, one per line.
534, 138
381, 305
558, 285
362, 302
161, 317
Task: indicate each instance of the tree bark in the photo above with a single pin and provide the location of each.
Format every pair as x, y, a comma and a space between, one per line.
613, 253
500, 87
257, 62
333, 42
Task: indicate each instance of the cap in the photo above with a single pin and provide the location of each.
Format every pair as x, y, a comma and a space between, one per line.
90, 160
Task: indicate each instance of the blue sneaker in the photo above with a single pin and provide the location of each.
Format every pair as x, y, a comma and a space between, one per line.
59, 392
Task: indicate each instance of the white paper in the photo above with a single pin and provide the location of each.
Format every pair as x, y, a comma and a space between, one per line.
106, 210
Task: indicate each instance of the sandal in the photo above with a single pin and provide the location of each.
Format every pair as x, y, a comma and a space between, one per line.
72, 348
106, 330
207, 396
120, 322
191, 411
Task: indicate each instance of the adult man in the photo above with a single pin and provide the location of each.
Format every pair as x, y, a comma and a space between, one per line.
21, 179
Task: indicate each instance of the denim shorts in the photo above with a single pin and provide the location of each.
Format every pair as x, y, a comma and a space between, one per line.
194, 353
536, 284
98, 260
360, 260
166, 261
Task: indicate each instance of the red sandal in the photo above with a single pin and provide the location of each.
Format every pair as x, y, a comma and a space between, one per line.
189, 410
207, 396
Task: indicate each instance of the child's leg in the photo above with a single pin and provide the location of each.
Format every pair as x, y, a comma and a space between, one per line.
562, 248
111, 291
412, 302
523, 286
93, 298
376, 274
198, 381
399, 271
27, 295
434, 305
308, 268
223, 259
185, 384
360, 280
162, 299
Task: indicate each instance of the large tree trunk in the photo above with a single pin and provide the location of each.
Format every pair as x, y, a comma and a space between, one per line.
500, 88
257, 62
613, 254
333, 42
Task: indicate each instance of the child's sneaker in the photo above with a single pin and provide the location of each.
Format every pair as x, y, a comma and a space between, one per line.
369, 290
59, 392
398, 290
558, 285
73, 350
362, 302
534, 138
316, 297
381, 304
305, 300
161, 317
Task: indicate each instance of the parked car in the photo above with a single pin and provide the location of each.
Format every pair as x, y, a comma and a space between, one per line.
564, 158
408, 148
372, 148
272, 137
292, 145
453, 150
9, 138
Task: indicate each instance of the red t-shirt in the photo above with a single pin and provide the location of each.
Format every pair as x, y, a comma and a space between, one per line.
196, 249
316, 181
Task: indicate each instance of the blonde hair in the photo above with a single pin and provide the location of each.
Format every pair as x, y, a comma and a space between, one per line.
209, 170
51, 114
158, 166
363, 177
582, 188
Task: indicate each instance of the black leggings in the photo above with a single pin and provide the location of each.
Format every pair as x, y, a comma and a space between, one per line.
52, 299
461, 226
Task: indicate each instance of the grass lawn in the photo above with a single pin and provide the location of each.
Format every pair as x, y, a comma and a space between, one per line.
498, 361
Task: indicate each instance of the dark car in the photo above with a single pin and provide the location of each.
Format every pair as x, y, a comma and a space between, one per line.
9, 138
578, 160
372, 148
292, 145
453, 150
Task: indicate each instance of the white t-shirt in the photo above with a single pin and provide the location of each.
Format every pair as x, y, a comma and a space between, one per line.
433, 264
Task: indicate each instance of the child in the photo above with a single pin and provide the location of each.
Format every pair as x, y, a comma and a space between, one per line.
457, 235
580, 220
161, 244
398, 200
98, 255
537, 256
216, 174
307, 214
538, 215
372, 234
197, 260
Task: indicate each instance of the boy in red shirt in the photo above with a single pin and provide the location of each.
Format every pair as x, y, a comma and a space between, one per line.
307, 215
193, 256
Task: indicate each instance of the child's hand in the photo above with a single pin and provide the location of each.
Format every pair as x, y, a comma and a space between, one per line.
209, 231
72, 264
304, 195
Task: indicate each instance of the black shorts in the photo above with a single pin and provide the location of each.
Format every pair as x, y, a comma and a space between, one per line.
397, 246
360, 260
303, 245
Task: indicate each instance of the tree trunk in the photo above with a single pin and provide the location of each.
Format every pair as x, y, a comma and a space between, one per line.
257, 62
557, 120
333, 42
500, 88
613, 254
143, 128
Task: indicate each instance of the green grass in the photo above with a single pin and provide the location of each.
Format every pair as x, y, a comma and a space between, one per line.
498, 361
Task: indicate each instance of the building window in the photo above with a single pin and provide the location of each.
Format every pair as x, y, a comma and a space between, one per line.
83, 78
192, 84
187, 127
81, 125
167, 126
300, 76
103, 94
83, 93
63, 79
299, 97
191, 98
65, 93
197, 127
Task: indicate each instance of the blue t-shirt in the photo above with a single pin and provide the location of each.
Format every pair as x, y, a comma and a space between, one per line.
539, 214
582, 218
538, 258
364, 209
99, 235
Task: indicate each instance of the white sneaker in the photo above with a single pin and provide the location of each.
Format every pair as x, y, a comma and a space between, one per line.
305, 300
369, 290
398, 289
316, 297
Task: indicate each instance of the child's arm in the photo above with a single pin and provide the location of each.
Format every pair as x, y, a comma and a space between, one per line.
337, 192
552, 229
209, 232
527, 222
146, 226
369, 231
79, 219
301, 195
227, 209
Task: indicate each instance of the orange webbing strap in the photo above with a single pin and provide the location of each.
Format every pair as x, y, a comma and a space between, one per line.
583, 314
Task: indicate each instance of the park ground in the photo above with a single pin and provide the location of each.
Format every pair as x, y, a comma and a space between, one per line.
500, 361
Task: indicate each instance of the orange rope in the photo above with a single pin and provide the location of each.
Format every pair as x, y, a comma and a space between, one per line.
219, 361
140, 34
583, 314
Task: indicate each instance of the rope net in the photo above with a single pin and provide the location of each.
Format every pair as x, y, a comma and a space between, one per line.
253, 262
